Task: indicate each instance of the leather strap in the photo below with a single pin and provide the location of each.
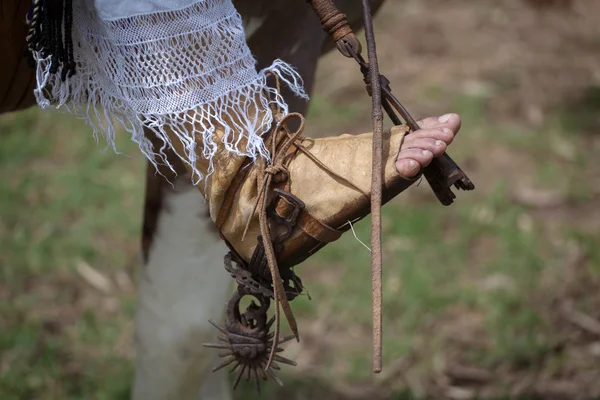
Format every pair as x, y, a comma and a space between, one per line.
234, 187
307, 223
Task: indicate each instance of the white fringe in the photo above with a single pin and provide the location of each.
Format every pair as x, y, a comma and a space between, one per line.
189, 71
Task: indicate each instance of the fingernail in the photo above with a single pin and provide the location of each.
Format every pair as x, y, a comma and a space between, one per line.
447, 131
413, 164
439, 143
426, 153
445, 118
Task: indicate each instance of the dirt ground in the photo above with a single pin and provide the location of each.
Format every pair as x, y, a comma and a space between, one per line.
494, 297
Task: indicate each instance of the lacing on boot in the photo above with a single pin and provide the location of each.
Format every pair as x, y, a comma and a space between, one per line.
267, 174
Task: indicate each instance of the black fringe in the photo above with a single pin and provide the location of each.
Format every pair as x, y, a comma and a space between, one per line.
50, 29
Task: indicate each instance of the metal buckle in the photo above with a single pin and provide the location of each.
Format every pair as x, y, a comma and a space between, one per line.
290, 222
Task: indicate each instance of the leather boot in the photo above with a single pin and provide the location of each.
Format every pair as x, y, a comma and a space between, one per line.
326, 182
273, 215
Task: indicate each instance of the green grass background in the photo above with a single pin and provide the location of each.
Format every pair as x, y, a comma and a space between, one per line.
477, 283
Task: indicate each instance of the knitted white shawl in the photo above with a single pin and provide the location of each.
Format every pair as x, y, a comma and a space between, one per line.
177, 64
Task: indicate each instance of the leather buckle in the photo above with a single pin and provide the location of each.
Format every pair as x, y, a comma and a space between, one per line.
288, 222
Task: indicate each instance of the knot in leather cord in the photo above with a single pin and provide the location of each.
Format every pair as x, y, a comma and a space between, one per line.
280, 172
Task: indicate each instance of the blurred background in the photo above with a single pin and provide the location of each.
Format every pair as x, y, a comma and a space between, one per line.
494, 297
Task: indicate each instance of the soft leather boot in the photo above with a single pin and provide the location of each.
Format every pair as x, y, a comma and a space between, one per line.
317, 188
274, 214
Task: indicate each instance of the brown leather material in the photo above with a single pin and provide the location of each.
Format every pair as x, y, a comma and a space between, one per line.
300, 248
332, 19
311, 226
354, 15
303, 246
17, 80
335, 23
239, 178
332, 176
230, 194
318, 230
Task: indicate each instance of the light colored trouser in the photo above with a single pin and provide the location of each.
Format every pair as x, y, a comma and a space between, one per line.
182, 286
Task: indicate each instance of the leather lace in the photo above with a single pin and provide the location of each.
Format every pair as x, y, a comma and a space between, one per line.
266, 175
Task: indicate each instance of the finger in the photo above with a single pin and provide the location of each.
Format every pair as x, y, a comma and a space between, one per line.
436, 147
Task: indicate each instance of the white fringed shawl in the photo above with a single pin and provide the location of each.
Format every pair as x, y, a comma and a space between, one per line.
177, 64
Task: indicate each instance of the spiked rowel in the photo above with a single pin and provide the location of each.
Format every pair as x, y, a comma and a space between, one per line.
246, 343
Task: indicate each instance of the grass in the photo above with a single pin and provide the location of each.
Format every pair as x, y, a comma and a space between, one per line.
480, 284
474, 284
64, 202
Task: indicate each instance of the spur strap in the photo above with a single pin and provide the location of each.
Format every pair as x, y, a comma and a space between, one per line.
314, 228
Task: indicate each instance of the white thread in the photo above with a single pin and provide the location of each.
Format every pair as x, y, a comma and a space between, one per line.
356, 237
